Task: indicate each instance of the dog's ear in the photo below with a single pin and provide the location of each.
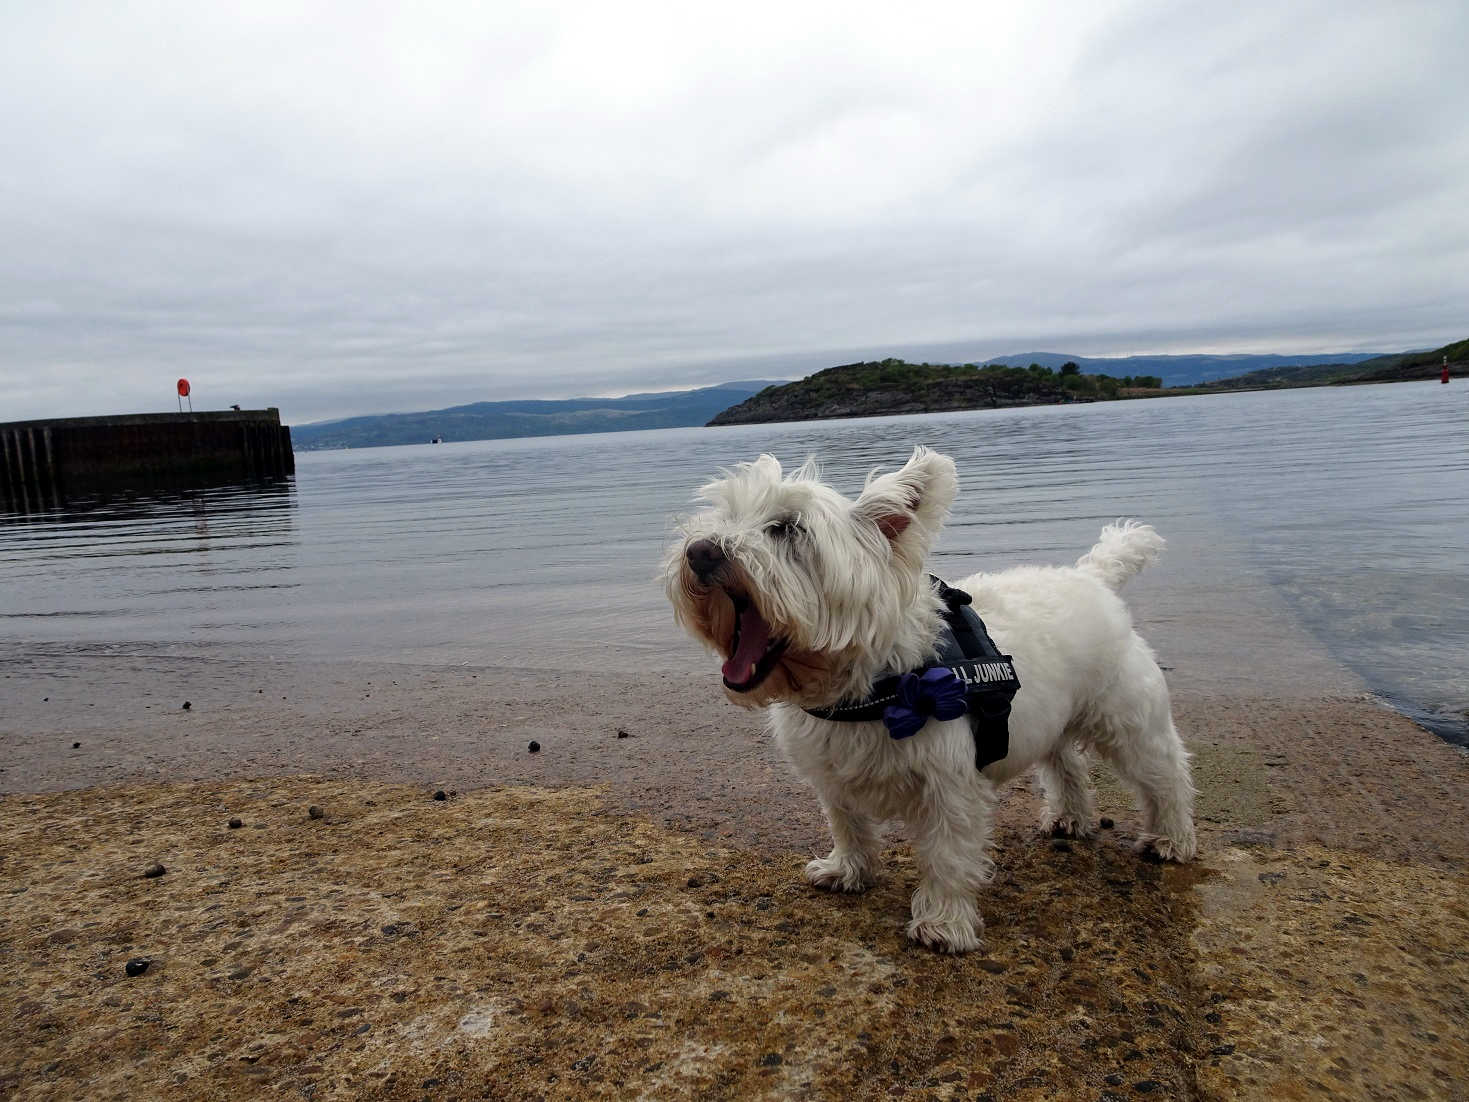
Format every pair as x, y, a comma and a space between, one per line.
908, 506
767, 466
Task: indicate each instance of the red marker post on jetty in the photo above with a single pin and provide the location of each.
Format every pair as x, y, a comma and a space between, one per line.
184, 393
1444, 375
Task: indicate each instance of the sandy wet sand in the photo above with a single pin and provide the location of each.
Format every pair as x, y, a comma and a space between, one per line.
624, 917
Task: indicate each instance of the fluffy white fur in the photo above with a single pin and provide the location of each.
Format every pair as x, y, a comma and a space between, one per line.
841, 586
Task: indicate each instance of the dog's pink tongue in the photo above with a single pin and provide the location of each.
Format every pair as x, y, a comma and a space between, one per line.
754, 639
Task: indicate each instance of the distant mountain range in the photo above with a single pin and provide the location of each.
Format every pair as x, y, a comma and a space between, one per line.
1399, 367
683, 408
1176, 370
496, 420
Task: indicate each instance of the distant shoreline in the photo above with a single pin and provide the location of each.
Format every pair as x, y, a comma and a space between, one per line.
828, 396
1016, 380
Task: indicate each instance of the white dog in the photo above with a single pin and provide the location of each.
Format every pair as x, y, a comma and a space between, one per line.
812, 598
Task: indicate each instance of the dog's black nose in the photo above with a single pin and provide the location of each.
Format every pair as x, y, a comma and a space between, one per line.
705, 557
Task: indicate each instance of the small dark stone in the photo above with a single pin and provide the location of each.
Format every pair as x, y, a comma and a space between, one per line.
1271, 877
1067, 953
695, 882
187, 705
1113, 1080
240, 974
76, 746
621, 733
772, 1060
642, 912
315, 812
1060, 845
1221, 1050
153, 871
441, 795
1146, 1086
534, 747
234, 824
989, 964
1107, 824
137, 966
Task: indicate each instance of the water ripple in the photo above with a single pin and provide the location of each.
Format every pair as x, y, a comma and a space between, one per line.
1350, 505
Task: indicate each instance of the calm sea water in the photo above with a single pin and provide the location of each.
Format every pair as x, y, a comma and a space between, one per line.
1300, 523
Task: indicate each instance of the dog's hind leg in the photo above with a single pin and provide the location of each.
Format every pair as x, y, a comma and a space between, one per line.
951, 834
854, 861
1070, 810
1136, 734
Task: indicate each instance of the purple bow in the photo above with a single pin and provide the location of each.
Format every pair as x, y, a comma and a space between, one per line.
935, 692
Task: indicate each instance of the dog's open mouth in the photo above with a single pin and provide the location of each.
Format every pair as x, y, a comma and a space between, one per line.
752, 651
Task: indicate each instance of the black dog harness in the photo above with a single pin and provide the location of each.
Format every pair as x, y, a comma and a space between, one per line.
971, 677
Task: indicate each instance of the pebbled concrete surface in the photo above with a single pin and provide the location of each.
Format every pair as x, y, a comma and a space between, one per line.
624, 917
524, 943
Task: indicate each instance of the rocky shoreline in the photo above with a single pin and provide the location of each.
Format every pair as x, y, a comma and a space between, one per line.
893, 387
877, 403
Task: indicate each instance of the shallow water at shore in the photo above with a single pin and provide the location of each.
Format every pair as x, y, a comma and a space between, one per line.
1305, 528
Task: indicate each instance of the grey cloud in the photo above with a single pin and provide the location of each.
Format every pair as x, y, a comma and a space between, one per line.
353, 211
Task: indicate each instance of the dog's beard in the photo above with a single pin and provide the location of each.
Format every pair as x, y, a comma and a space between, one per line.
762, 664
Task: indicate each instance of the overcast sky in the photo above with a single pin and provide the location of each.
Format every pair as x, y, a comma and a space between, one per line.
349, 208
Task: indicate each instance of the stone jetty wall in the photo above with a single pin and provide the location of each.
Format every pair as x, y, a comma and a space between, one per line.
45, 463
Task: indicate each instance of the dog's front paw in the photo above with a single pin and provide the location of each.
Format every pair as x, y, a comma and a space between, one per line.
1156, 847
946, 935
1065, 826
839, 874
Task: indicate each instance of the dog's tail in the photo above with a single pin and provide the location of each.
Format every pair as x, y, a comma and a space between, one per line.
1122, 551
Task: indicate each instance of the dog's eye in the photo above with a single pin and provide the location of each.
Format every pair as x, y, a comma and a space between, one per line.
784, 528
